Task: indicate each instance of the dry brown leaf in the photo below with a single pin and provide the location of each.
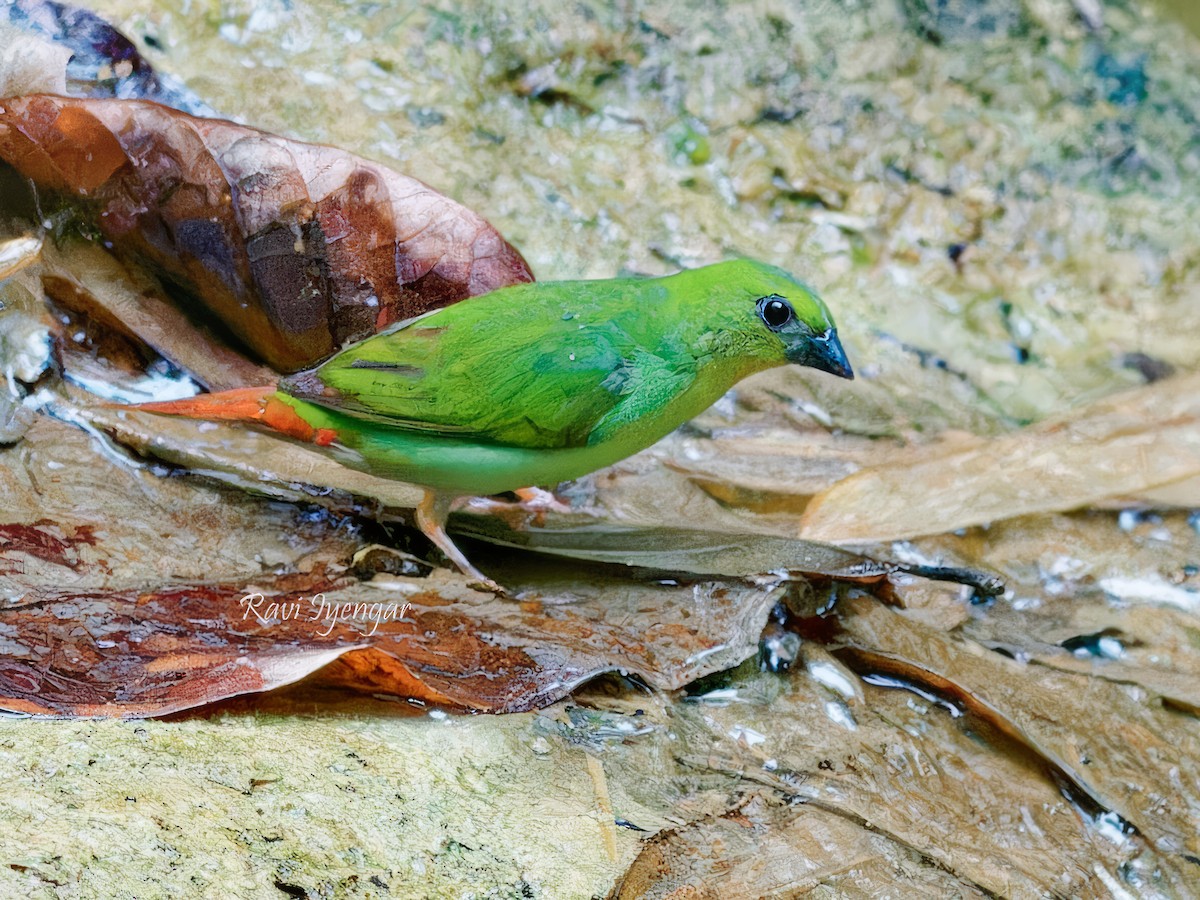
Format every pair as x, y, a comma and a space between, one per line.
1127, 444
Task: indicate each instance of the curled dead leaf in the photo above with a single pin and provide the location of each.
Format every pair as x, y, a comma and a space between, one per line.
296, 248
153, 651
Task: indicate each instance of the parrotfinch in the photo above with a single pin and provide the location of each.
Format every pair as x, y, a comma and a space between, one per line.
540, 383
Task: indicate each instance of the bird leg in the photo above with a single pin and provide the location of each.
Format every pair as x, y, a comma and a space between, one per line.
432, 513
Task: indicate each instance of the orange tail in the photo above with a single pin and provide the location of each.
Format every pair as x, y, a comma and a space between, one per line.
236, 405
253, 404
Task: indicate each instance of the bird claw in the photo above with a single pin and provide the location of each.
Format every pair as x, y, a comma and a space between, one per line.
485, 585
535, 499
531, 509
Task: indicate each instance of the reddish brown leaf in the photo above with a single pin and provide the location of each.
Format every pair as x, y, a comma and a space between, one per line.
174, 647
297, 248
122, 595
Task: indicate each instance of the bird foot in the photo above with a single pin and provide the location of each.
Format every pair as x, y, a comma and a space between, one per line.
431, 513
531, 508
536, 499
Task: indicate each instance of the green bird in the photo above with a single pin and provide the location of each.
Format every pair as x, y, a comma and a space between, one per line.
539, 383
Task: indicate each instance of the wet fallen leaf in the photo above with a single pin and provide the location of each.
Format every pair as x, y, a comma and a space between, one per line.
295, 248
83, 278
125, 593
933, 783
1114, 597
1067, 720
769, 849
75, 518
160, 650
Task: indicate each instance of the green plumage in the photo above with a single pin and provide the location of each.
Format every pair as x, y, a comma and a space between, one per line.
539, 383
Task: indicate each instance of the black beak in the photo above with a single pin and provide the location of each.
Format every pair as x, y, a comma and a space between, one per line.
824, 352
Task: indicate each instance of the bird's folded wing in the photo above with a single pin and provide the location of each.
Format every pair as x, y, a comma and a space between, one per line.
652, 384
562, 390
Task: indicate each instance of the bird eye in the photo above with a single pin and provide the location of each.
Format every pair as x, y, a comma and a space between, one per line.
775, 311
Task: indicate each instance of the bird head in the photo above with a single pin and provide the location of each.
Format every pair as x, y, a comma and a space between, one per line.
779, 319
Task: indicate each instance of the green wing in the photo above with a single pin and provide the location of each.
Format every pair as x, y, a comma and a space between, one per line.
528, 374
651, 384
